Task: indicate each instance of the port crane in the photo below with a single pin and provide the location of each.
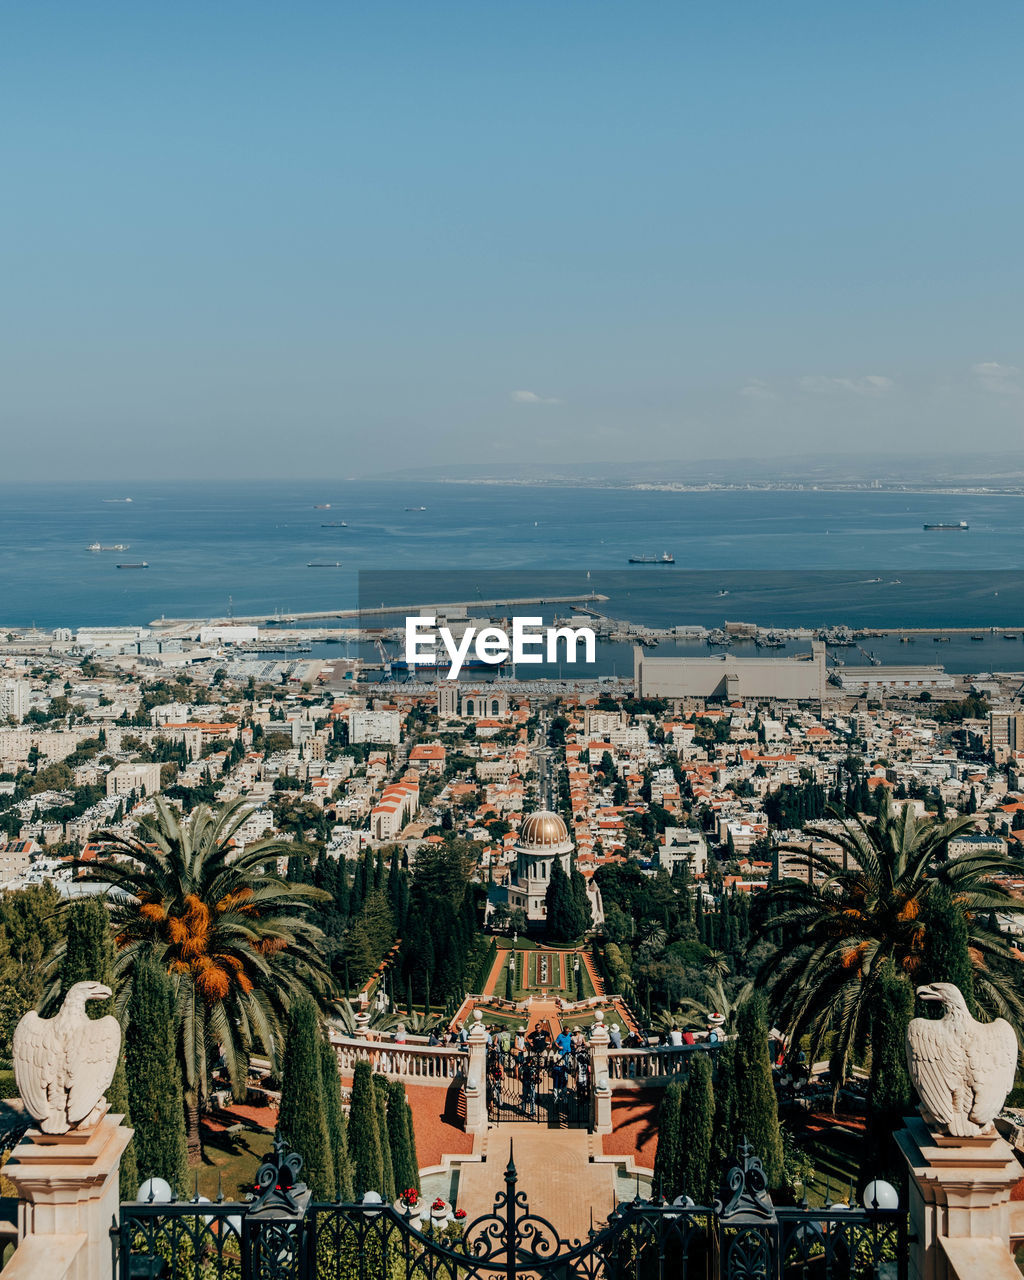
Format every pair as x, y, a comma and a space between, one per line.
387, 664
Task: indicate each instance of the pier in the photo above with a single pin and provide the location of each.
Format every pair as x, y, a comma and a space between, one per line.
450, 606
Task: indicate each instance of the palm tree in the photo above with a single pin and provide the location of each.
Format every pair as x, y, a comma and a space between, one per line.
343, 1018
716, 965
231, 933
870, 908
717, 999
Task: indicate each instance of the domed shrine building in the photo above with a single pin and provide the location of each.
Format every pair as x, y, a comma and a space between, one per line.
543, 837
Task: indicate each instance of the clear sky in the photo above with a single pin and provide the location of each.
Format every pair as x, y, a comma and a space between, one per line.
300, 238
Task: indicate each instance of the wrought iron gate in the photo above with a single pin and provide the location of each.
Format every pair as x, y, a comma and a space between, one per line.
280, 1235
543, 1088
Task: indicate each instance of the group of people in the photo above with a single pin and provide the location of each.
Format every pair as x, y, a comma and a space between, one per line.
518, 1062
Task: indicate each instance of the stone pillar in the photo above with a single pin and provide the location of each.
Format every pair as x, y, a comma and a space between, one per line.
363, 1025
69, 1193
476, 1077
601, 1093
959, 1193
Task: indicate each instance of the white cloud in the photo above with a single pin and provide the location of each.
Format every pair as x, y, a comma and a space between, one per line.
756, 389
999, 379
531, 397
872, 384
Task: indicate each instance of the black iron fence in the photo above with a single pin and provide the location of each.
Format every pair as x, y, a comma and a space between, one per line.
280, 1235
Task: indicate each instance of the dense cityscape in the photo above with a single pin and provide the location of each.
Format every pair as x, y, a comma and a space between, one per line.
662, 919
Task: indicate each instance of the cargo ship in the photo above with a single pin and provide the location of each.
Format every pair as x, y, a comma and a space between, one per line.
664, 558
98, 546
138, 564
335, 524
323, 564
961, 527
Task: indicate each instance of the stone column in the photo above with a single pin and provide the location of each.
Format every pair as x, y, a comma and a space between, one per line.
69, 1197
476, 1077
959, 1193
601, 1093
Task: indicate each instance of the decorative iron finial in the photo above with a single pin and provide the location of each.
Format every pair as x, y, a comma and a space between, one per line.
277, 1182
747, 1187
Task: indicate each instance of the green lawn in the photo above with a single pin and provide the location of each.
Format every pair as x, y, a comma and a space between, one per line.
561, 977
232, 1159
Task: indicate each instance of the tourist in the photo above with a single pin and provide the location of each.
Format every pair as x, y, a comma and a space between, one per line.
432, 1039
520, 1050
689, 1037
579, 1041
505, 1040
675, 1037
563, 1043
400, 1033
559, 1078
615, 1036
463, 1035
529, 1087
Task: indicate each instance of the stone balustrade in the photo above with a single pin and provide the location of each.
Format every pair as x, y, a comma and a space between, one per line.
416, 1064
630, 1067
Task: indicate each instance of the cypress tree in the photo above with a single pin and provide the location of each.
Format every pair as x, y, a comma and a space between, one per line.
89, 957
406, 1173
301, 1120
336, 1120
946, 955
696, 1126
890, 1095
364, 1134
388, 1191
724, 1134
585, 915
154, 1079
757, 1114
668, 1153
410, 1142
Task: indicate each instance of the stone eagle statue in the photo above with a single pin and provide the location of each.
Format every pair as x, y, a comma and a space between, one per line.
63, 1065
962, 1069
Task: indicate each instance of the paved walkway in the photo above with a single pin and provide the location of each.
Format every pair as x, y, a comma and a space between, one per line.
554, 1170
497, 971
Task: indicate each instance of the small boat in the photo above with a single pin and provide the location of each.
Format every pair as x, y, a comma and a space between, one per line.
977, 637
940, 639
1008, 635
139, 564
98, 546
323, 564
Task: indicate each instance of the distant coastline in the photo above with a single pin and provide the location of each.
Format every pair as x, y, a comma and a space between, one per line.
768, 486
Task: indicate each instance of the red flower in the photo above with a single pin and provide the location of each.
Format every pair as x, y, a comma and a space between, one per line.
438, 1205
460, 1214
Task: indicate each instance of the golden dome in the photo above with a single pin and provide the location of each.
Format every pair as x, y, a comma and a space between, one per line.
542, 830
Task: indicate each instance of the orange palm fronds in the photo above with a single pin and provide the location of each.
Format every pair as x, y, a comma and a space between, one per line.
853, 957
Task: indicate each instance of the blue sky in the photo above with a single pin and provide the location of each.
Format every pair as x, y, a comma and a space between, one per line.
269, 239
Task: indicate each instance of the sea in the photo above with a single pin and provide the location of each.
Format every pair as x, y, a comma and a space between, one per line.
781, 558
